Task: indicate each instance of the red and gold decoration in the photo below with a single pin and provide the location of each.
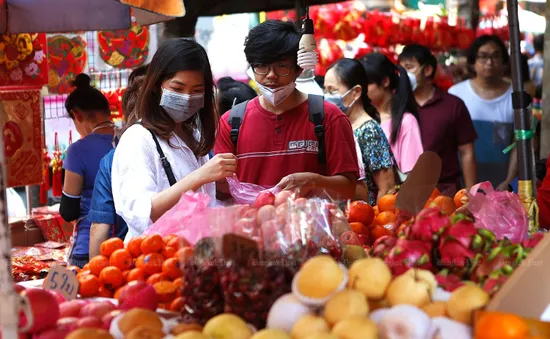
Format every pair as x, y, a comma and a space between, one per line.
21, 122
23, 60
45, 187
67, 57
114, 97
57, 168
124, 48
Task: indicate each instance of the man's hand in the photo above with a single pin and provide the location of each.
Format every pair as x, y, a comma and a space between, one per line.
299, 183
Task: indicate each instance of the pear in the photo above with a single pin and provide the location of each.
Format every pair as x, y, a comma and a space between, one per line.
321, 335
436, 309
307, 325
410, 289
464, 301
424, 275
191, 335
271, 334
371, 276
345, 304
227, 326
319, 277
357, 327
353, 253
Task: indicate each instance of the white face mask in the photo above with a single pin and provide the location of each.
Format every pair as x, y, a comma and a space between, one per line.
412, 79
181, 107
277, 95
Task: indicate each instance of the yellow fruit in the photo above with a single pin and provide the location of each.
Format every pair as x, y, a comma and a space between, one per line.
371, 276
227, 326
89, 333
139, 317
271, 334
355, 328
424, 275
436, 309
409, 289
191, 335
346, 304
321, 335
319, 277
141, 332
464, 301
307, 325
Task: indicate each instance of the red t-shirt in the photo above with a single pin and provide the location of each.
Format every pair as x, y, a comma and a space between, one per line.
272, 146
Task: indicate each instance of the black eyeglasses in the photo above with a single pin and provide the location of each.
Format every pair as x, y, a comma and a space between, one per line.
483, 58
280, 69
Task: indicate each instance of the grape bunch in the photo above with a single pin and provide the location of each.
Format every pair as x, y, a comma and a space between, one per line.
250, 290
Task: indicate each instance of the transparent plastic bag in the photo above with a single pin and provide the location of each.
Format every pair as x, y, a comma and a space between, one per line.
246, 193
499, 212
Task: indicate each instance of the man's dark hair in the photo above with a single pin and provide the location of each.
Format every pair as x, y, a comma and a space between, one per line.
422, 54
538, 43
232, 92
271, 41
484, 40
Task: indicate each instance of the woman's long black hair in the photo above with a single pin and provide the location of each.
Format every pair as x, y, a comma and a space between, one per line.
351, 73
379, 67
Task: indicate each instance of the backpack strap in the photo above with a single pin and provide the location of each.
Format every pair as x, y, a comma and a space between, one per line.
165, 163
236, 116
316, 116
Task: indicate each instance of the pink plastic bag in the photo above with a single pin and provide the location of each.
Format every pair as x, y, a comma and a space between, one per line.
499, 212
246, 193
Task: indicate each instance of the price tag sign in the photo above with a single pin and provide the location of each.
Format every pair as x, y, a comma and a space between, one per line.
239, 248
63, 281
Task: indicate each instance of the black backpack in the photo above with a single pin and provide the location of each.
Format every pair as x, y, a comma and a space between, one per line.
316, 116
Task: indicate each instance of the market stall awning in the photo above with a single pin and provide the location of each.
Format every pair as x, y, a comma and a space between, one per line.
213, 8
37, 16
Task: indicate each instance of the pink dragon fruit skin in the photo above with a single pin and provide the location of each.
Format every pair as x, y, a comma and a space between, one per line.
456, 245
407, 254
493, 284
428, 224
448, 282
382, 246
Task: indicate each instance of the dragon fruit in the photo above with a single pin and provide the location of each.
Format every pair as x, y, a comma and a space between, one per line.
407, 254
502, 259
533, 240
429, 223
494, 282
460, 243
382, 246
448, 282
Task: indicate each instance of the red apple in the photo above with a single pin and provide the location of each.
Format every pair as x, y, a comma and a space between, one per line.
58, 296
53, 333
137, 294
108, 318
90, 322
350, 238
43, 308
282, 197
364, 239
71, 308
266, 213
68, 323
97, 309
264, 198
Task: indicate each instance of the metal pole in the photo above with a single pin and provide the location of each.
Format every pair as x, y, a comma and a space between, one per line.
10, 300
28, 195
522, 121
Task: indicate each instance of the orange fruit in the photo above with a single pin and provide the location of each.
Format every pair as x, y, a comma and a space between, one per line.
358, 228
97, 264
168, 251
136, 274
169, 237
134, 246
83, 273
379, 231
125, 274
75, 269
86, 267
104, 292
122, 259
155, 278
89, 285
152, 263
111, 277
447, 204
428, 203
179, 284
152, 244
385, 218
387, 203
110, 245
498, 325
376, 211
435, 194
360, 211
184, 254
171, 268
174, 243
166, 291
117, 292
176, 305
460, 198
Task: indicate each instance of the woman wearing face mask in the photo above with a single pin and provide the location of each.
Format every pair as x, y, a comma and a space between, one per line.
391, 93
90, 112
346, 87
178, 121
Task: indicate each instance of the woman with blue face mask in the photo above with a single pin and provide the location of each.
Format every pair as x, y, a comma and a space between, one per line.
165, 152
346, 87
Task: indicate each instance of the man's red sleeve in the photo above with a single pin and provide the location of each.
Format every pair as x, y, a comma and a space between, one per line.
223, 139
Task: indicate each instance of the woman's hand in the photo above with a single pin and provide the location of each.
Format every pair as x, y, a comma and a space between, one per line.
219, 167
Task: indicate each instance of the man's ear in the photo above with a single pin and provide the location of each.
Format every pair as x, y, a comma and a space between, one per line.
429, 72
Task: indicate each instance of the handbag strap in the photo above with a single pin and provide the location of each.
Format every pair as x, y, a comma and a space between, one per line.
164, 161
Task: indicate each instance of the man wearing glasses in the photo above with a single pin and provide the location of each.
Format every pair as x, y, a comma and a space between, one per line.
277, 143
488, 98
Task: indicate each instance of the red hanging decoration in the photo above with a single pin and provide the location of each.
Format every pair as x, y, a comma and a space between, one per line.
57, 166
45, 186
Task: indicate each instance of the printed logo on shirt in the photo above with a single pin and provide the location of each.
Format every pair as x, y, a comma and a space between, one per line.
307, 145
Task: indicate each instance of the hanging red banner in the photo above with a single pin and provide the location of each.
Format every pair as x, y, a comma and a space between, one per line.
23, 60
